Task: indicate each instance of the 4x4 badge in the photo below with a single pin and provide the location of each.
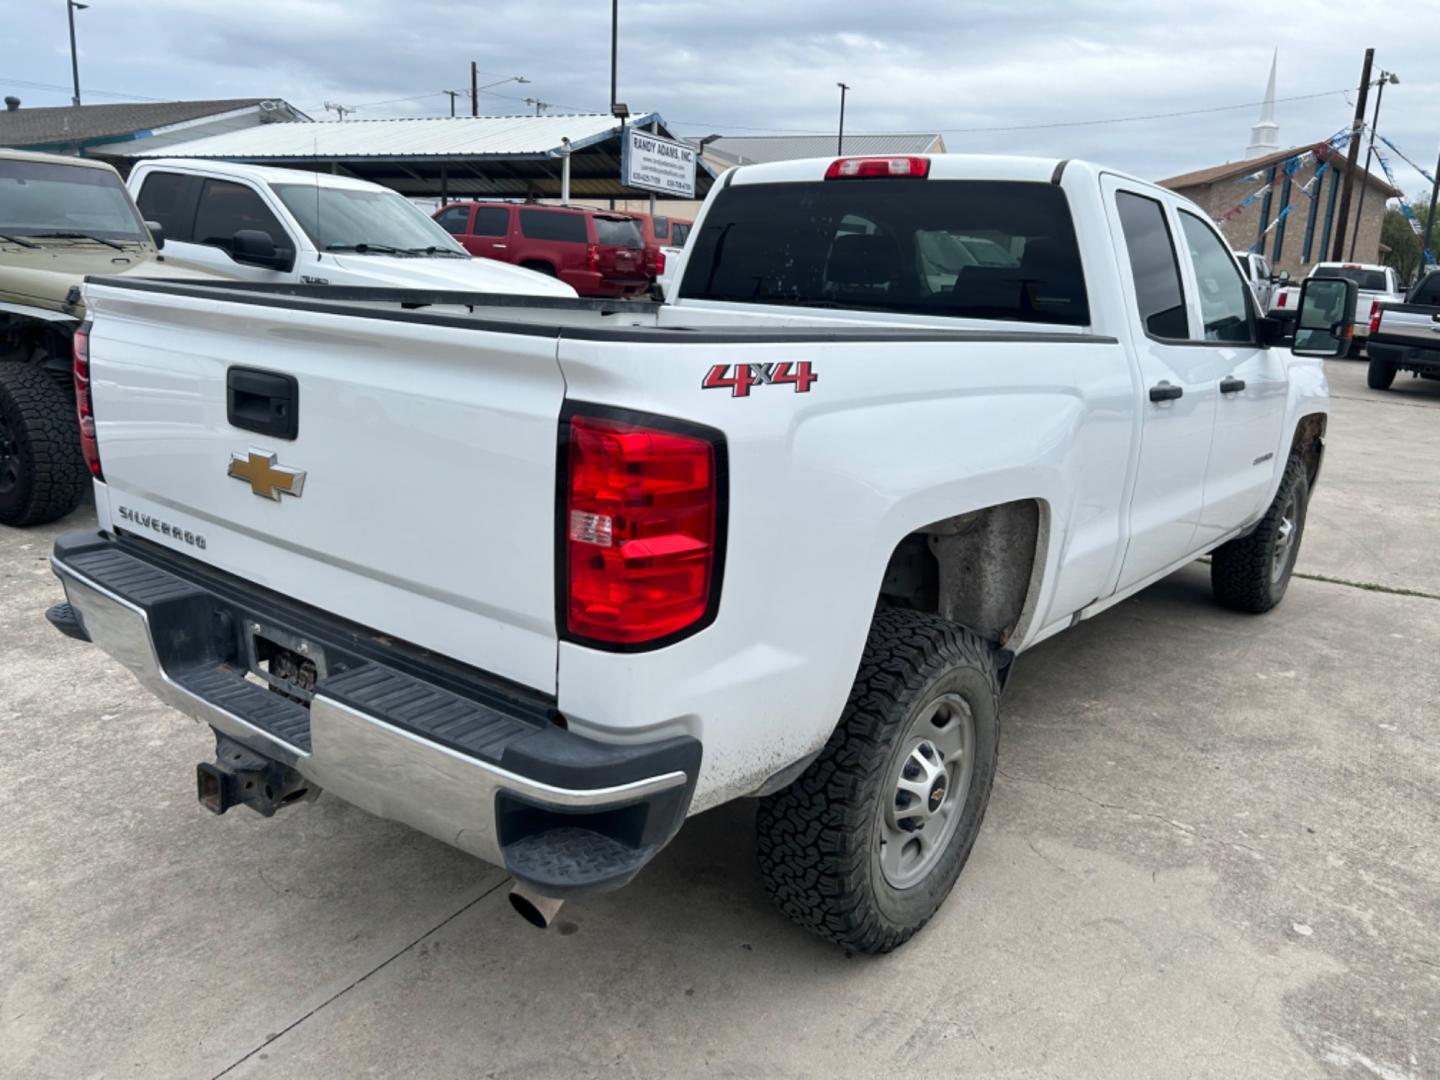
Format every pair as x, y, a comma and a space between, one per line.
258, 469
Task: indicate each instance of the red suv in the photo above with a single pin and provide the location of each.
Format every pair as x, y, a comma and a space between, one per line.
659, 232
595, 252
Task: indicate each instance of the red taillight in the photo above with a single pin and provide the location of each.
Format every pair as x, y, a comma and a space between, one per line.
592, 256
853, 168
84, 409
641, 530
1375, 317
1283, 298
659, 263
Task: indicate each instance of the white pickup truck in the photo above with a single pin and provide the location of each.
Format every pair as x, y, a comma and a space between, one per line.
264, 224
543, 577
1406, 336
1375, 285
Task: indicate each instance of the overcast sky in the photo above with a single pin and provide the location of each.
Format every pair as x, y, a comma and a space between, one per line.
770, 66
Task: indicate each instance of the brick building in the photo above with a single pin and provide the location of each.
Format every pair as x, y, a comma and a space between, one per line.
1305, 236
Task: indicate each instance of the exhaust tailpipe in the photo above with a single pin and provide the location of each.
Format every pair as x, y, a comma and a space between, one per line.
535, 909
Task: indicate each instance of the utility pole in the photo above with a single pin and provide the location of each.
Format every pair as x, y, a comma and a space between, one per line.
1430, 221
70, 8
1385, 76
614, 45
1337, 253
475, 91
453, 95
840, 138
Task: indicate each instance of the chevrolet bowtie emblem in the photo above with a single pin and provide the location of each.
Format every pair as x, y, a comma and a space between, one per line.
258, 469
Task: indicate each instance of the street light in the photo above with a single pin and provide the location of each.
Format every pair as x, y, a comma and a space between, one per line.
70, 8
475, 90
1385, 77
840, 139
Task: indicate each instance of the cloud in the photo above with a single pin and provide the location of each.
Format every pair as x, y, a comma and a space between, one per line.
751, 66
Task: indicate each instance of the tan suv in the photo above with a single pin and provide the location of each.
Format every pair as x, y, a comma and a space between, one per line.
61, 219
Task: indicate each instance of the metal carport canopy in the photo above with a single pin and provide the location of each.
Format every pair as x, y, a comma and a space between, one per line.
463, 156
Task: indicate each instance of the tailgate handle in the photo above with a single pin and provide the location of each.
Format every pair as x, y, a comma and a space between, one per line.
266, 402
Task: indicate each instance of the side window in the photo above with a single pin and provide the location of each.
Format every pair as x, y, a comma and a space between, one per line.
1153, 265
492, 220
226, 208
661, 225
1224, 300
169, 198
554, 225
453, 220
1262, 270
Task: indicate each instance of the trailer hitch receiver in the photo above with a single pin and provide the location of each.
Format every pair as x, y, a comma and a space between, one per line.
240, 777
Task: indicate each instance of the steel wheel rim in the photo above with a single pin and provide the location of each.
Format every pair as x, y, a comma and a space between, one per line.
1285, 536
924, 793
9, 459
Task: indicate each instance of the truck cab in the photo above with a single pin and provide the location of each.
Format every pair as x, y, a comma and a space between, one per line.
271, 225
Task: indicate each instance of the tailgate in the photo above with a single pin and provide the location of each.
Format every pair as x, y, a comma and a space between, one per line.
1414, 324
426, 508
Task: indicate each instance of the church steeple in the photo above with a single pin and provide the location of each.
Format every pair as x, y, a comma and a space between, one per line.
1265, 135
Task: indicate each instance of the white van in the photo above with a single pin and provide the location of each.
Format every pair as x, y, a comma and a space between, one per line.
282, 225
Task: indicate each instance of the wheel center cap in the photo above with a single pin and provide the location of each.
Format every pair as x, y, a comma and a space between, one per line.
937, 794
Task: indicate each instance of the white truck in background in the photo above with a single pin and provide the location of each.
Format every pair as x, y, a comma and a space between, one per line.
1375, 285
543, 577
270, 225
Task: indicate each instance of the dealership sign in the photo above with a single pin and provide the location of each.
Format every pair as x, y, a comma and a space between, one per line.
655, 164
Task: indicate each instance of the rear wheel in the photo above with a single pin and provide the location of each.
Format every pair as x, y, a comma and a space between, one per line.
540, 268
864, 847
42, 472
1252, 573
1380, 375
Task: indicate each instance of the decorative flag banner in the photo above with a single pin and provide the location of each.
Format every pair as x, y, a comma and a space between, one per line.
1398, 153
1426, 254
1321, 152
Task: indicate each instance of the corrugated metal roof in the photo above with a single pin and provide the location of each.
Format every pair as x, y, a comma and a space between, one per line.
65, 124
438, 137
758, 149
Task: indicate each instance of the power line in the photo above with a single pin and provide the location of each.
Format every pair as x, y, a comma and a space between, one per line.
66, 90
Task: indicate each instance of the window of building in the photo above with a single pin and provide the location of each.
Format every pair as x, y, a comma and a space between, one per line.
1154, 266
1224, 307
1280, 227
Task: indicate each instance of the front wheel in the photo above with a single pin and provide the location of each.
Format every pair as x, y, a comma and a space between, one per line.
864, 847
1252, 572
42, 472
1380, 374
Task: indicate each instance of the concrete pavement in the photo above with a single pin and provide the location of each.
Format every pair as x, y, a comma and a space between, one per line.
1211, 852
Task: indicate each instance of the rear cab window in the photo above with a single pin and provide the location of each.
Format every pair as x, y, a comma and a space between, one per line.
1428, 291
1154, 266
981, 249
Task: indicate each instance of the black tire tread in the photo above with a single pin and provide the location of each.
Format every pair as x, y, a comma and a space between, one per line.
814, 836
1380, 375
1240, 569
42, 417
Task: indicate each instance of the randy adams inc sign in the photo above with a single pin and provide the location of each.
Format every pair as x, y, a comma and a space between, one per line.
657, 164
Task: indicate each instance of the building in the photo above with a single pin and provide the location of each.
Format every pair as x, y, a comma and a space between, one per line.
117, 132
1285, 204
446, 158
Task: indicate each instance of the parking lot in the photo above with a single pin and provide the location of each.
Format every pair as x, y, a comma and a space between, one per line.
1211, 852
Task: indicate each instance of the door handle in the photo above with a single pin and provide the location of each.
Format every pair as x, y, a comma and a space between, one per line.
499, 245
1231, 385
1163, 391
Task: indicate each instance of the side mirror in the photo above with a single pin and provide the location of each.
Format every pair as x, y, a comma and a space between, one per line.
256, 247
1282, 278
1325, 322
157, 234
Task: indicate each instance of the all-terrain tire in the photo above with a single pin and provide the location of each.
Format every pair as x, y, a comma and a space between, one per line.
42, 471
1380, 374
1251, 573
818, 839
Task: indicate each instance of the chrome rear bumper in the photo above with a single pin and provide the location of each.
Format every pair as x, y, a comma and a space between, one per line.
480, 806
